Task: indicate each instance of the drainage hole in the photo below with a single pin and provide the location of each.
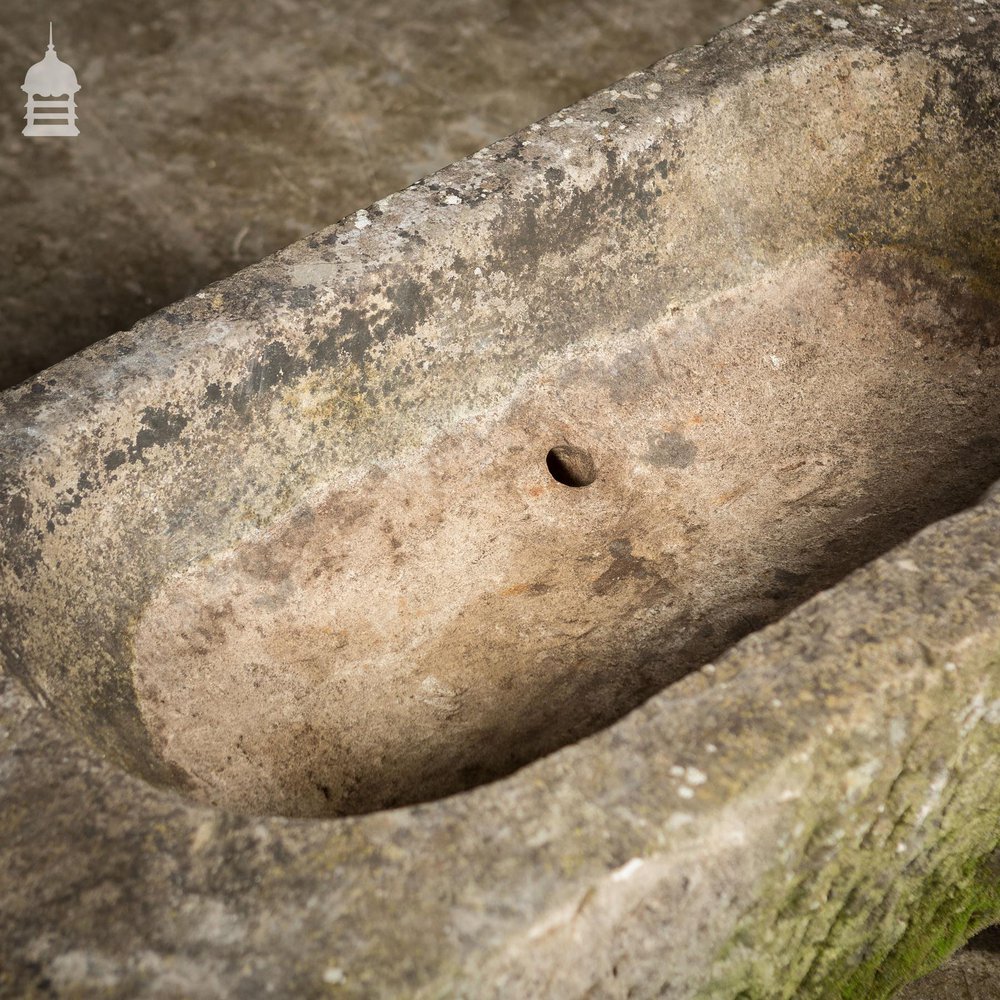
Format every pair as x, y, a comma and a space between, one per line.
571, 466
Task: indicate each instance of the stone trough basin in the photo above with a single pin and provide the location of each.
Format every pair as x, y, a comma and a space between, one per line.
570, 576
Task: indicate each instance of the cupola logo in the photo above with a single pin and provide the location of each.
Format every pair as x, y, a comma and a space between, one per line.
51, 86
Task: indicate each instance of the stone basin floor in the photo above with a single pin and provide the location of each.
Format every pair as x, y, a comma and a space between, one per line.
731, 505
208, 141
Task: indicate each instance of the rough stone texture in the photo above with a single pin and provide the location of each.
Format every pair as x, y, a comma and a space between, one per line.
210, 138
812, 815
457, 615
971, 974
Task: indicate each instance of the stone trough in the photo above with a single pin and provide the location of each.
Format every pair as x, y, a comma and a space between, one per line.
571, 576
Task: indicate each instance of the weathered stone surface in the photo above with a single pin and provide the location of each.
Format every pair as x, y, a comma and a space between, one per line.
970, 973
211, 140
757, 284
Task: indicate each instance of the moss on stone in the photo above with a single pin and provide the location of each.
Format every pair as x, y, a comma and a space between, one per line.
947, 915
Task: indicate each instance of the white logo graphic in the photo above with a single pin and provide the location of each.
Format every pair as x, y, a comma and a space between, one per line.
51, 78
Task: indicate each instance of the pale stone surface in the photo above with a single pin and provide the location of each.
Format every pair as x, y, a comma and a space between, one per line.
211, 137
812, 814
461, 613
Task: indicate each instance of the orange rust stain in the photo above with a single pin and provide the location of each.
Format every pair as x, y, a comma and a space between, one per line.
732, 494
518, 588
675, 427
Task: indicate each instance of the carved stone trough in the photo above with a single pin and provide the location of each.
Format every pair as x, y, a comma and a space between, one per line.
568, 577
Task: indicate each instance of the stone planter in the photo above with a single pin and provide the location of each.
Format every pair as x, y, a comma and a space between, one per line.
570, 576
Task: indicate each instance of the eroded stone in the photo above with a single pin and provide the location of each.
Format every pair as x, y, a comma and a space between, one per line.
764, 294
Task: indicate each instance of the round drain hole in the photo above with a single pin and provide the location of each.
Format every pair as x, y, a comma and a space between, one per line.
571, 466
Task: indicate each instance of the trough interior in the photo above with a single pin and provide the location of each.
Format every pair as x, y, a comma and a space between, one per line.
444, 620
